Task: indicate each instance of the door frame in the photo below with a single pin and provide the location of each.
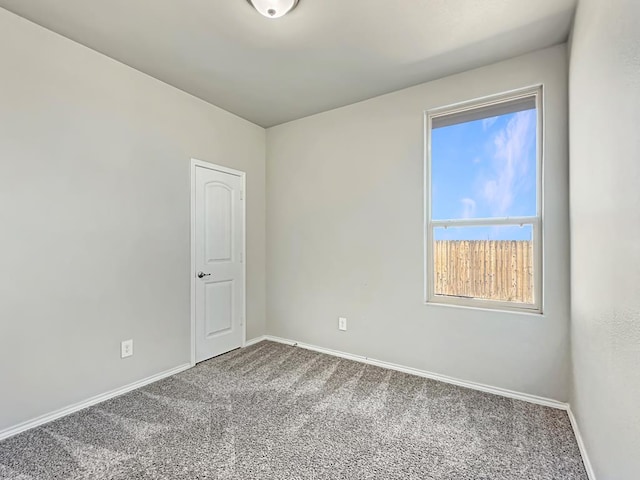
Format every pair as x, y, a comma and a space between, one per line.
243, 177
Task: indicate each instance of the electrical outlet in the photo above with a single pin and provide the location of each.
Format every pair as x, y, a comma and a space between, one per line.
342, 323
126, 348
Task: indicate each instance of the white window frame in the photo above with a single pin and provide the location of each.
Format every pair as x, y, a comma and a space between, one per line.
536, 222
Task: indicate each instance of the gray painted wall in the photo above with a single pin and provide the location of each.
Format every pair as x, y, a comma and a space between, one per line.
344, 237
94, 214
605, 228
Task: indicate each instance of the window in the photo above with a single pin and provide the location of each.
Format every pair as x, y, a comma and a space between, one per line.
483, 199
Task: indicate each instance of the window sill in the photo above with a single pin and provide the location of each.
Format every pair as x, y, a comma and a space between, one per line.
484, 306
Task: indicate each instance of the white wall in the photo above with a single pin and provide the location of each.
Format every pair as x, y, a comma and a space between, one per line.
344, 237
94, 219
605, 233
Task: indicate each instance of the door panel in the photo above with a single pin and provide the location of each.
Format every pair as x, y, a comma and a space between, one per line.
218, 308
219, 225
219, 243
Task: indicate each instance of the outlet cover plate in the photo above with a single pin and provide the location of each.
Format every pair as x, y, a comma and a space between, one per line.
126, 348
342, 323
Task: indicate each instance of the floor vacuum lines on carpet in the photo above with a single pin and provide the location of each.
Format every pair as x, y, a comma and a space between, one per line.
273, 411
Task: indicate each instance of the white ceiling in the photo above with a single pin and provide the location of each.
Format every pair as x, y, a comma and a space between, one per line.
325, 54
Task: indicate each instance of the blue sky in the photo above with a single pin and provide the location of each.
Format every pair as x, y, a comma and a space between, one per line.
483, 169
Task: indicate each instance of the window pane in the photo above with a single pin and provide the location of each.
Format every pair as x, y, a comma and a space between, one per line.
485, 168
490, 263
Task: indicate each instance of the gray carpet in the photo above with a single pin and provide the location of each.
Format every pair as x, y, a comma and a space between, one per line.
272, 411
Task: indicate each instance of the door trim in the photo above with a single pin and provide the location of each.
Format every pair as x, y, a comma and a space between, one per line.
243, 176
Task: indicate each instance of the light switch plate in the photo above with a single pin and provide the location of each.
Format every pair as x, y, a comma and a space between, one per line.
342, 323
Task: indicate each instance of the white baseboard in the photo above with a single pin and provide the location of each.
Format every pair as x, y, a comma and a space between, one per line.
547, 402
49, 417
253, 341
583, 450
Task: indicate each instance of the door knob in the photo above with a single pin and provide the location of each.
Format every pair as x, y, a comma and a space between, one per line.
202, 274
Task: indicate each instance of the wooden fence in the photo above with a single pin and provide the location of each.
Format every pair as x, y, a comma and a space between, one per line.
488, 269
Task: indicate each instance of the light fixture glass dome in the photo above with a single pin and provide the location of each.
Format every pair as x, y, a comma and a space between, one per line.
273, 8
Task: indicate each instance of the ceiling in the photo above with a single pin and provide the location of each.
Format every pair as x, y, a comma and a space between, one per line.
324, 54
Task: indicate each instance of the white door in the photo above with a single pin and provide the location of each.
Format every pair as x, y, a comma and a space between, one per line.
219, 255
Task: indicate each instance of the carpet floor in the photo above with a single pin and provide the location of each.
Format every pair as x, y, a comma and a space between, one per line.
273, 411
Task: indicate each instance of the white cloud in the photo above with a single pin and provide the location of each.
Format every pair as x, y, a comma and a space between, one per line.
487, 123
490, 190
509, 163
468, 207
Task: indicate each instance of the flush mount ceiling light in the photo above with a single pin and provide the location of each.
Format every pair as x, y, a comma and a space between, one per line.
273, 8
